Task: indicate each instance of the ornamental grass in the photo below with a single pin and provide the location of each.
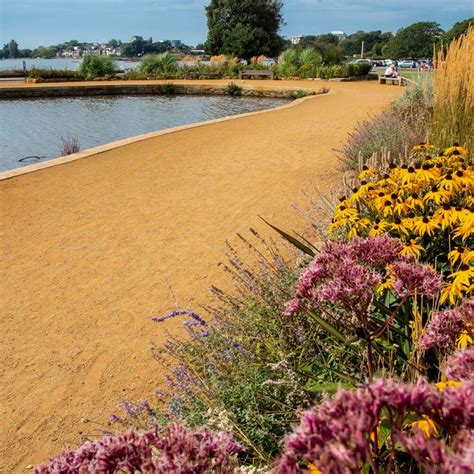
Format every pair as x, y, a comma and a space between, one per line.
453, 114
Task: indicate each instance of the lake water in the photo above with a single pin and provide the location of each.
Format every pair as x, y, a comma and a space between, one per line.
60, 63
34, 127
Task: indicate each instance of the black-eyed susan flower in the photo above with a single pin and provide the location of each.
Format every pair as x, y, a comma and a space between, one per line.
466, 227
455, 150
465, 338
415, 201
422, 147
461, 255
379, 228
398, 225
367, 173
437, 195
448, 183
463, 278
425, 226
412, 248
446, 216
386, 284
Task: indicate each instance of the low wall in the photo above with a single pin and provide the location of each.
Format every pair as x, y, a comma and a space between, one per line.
143, 89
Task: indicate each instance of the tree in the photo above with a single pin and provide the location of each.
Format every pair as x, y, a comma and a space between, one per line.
10, 50
415, 41
373, 42
245, 28
457, 30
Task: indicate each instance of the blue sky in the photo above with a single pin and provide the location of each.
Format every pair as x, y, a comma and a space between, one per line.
35, 22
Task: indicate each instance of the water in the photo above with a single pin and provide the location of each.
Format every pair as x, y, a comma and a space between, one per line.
60, 63
34, 127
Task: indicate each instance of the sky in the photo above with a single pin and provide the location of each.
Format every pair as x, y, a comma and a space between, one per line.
43, 22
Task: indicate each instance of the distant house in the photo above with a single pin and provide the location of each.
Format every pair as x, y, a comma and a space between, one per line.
340, 35
295, 39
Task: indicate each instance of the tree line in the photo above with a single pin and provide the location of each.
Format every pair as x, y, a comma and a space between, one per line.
249, 28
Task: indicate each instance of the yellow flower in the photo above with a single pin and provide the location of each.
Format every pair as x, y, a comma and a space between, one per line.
412, 248
437, 195
447, 384
463, 277
461, 254
424, 225
408, 175
465, 338
379, 228
466, 228
312, 468
385, 284
446, 216
366, 173
415, 201
422, 147
399, 226
427, 426
451, 293
448, 183
456, 150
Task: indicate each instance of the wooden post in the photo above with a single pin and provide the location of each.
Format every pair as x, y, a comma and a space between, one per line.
362, 51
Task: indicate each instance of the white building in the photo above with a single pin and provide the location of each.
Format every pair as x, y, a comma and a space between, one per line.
340, 34
295, 39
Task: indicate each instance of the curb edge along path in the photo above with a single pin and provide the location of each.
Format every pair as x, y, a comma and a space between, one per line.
91, 248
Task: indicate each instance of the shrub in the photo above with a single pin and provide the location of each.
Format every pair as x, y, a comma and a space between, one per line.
289, 63
162, 65
175, 450
396, 131
233, 90
69, 145
96, 66
387, 424
308, 60
168, 88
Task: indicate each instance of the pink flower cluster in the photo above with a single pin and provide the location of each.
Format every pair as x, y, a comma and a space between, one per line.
460, 366
347, 272
337, 435
177, 450
445, 327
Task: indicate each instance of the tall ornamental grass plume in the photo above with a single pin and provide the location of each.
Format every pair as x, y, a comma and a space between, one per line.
176, 450
162, 65
453, 114
93, 66
389, 427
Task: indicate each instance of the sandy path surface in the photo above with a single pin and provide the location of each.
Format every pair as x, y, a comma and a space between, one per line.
90, 248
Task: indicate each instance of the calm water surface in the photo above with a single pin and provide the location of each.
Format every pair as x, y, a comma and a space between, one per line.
60, 63
33, 127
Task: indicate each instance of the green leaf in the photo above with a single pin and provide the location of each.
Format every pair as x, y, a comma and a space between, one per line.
328, 327
385, 429
300, 245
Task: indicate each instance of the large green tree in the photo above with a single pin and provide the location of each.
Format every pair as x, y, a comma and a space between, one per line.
415, 41
457, 30
245, 28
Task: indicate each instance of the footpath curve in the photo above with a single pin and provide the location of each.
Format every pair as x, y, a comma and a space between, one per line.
93, 247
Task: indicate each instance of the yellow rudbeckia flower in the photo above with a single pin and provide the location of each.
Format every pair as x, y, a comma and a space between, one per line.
412, 248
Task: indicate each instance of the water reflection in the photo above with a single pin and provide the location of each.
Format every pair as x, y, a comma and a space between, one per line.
33, 128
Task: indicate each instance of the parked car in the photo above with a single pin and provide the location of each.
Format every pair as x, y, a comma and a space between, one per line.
408, 64
363, 61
